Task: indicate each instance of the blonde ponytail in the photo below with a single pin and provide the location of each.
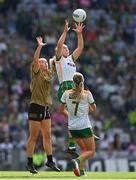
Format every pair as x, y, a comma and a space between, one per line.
78, 80
81, 86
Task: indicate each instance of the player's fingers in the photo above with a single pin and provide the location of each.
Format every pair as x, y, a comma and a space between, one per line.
79, 24
82, 24
74, 29
39, 38
76, 25
66, 22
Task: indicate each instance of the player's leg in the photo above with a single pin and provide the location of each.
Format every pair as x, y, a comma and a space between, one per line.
78, 166
72, 146
35, 116
46, 136
81, 164
90, 149
85, 140
47, 140
86, 136
87, 146
82, 146
34, 127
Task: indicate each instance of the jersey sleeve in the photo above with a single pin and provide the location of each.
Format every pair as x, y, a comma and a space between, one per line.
63, 98
57, 58
32, 70
90, 98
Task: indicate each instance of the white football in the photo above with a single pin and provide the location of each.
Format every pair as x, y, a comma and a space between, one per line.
79, 15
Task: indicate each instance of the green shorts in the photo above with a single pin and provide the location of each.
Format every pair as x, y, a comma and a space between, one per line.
66, 85
83, 133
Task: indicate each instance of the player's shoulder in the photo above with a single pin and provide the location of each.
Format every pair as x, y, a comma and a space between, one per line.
33, 71
71, 57
86, 91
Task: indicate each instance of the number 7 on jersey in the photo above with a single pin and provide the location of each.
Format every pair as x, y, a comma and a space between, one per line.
76, 106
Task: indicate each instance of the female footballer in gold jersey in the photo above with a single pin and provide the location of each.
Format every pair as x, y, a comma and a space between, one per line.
38, 113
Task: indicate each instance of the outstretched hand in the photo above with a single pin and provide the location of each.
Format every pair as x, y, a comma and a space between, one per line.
66, 27
40, 41
79, 27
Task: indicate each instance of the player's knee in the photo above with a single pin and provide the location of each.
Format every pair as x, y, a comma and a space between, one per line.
33, 138
47, 136
91, 152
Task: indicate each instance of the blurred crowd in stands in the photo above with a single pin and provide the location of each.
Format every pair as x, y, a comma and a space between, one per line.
108, 63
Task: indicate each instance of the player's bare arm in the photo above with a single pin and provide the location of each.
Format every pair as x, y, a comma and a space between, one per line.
78, 51
63, 110
92, 107
37, 53
62, 40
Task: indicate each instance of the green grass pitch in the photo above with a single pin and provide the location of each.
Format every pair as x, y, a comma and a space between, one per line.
48, 175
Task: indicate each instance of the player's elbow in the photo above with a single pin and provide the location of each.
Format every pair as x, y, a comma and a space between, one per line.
93, 107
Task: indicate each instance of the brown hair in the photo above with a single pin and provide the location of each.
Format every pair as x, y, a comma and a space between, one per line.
78, 80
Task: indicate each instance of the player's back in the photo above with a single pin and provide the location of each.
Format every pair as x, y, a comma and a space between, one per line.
78, 110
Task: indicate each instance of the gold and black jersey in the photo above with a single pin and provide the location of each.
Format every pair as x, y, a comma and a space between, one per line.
40, 87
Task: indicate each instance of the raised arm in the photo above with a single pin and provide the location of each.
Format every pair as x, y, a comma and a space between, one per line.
80, 45
62, 40
37, 53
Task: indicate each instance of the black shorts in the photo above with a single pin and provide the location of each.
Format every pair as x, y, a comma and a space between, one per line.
37, 112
